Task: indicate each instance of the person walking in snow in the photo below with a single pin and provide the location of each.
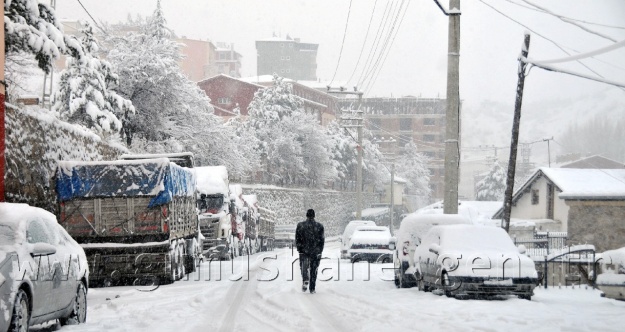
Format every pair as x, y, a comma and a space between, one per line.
309, 240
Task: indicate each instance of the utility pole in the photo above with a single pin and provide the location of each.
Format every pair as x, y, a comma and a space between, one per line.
507, 205
391, 158
357, 117
548, 149
2, 115
452, 131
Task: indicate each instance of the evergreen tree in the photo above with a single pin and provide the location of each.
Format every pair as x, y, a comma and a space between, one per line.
493, 186
412, 166
84, 94
32, 27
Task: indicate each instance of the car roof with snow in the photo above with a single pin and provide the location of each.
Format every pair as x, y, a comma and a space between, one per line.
371, 235
472, 238
415, 225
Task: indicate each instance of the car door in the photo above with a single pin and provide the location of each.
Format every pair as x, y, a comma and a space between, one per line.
37, 232
64, 262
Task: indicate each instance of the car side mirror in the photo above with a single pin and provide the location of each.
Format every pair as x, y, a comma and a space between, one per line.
522, 249
435, 248
392, 243
42, 249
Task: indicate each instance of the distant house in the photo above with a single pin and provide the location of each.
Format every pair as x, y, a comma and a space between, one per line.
589, 204
228, 93
597, 162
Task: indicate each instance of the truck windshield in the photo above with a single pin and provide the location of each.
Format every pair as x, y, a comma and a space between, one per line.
210, 203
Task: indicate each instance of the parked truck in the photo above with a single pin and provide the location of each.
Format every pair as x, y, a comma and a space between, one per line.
215, 211
135, 219
259, 225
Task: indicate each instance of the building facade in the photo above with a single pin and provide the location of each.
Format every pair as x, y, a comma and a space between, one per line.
410, 118
287, 57
228, 94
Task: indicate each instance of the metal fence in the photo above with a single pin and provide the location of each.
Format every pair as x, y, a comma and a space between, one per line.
543, 243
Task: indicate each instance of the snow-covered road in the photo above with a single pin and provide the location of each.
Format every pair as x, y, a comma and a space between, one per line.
270, 299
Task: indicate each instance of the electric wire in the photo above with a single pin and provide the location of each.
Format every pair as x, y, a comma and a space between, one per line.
389, 33
375, 42
363, 43
540, 35
93, 19
372, 83
342, 42
599, 169
569, 18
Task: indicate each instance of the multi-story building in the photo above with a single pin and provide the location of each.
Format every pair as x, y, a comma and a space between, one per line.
287, 57
410, 118
228, 94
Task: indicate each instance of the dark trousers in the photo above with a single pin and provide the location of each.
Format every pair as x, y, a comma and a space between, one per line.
309, 265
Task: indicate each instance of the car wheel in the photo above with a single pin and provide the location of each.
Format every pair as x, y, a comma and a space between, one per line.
421, 284
525, 297
396, 279
79, 312
21, 316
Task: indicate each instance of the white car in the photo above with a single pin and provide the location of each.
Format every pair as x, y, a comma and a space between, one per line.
43, 271
473, 260
412, 228
371, 244
612, 279
347, 234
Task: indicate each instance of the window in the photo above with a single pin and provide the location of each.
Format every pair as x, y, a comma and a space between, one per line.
282, 57
405, 124
223, 56
288, 57
535, 197
429, 122
429, 138
282, 45
37, 232
224, 100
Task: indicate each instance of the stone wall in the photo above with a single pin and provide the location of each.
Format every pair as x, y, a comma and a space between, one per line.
600, 223
35, 140
332, 208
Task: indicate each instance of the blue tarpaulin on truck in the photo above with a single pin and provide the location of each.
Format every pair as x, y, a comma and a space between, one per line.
124, 178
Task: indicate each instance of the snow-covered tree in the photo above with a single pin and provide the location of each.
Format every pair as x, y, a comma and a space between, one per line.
493, 186
343, 155
32, 27
84, 94
295, 149
412, 166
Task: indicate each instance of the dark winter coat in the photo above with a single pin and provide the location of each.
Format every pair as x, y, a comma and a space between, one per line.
309, 237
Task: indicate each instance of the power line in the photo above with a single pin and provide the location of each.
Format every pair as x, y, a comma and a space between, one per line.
375, 43
372, 82
93, 19
387, 38
364, 42
569, 18
343, 42
538, 34
599, 169
564, 19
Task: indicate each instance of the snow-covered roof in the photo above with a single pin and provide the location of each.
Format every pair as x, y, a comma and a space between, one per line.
475, 238
576, 183
212, 180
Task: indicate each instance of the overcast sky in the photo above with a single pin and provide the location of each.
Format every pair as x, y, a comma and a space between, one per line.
417, 59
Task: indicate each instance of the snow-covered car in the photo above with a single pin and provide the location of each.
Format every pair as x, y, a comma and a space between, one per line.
371, 244
473, 260
218, 253
43, 271
349, 230
412, 228
611, 281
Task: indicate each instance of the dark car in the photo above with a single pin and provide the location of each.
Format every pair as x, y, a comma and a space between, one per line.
219, 252
43, 271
